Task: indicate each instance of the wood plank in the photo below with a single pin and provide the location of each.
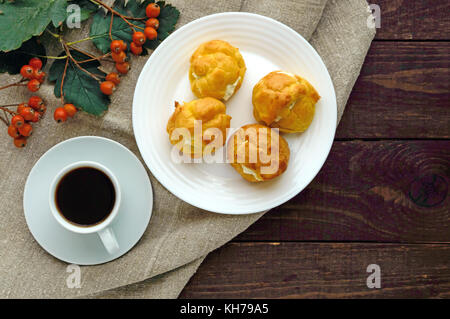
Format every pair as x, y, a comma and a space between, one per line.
322, 270
385, 191
418, 19
403, 92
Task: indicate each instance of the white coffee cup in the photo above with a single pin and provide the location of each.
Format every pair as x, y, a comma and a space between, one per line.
103, 228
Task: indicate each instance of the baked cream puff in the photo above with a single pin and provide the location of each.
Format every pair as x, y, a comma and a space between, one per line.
258, 153
217, 70
285, 101
196, 124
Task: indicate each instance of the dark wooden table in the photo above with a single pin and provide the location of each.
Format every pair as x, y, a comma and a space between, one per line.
382, 196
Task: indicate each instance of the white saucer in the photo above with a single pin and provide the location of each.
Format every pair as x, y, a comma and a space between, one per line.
131, 221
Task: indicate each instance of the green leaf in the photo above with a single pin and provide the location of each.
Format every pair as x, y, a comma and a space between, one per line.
22, 19
13, 61
87, 8
79, 87
58, 12
121, 30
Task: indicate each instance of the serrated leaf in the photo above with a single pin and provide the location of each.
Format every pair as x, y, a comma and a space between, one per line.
80, 88
58, 12
121, 31
12, 61
23, 19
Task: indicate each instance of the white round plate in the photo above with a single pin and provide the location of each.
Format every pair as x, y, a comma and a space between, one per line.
134, 213
266, 45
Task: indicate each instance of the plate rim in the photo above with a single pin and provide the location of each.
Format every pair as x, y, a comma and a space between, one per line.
139, 139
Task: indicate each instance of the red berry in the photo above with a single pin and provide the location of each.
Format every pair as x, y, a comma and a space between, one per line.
153, 23
36, 63
124, 46
116, 46
150, 33
36, 117
113, 77
20, 141
13, 131
35, 101
70, 109
33, 85
60, 115
17, 121
119, 57
20, 107
136, 49
41, 110
139, 38
27, 113
152, 10
123, 68
39, 75
107, 87
26, 130
27, 71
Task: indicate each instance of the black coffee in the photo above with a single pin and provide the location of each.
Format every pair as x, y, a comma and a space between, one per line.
85, 196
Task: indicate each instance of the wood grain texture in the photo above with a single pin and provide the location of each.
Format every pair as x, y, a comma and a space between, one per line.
418, 19
377, 201
322, 270
403, 92
389, 191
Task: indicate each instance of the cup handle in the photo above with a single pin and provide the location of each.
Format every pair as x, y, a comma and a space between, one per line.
109, 240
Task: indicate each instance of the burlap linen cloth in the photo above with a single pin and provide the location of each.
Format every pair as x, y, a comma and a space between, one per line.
179, 236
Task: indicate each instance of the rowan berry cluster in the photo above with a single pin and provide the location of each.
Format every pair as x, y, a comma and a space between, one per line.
20, 128
32, 73
119, 48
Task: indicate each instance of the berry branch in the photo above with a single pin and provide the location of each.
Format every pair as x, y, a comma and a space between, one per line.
89, 89
69, 55
19, 83
20, 127
114, 12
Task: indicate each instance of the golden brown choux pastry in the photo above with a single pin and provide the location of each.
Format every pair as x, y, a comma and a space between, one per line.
211, 113
285, 101
258, 153
217, 70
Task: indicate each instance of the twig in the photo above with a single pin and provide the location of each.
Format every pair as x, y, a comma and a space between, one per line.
44, 56
86, 39
53, 34
92, 57
19, 83
82, 51
133, 18
124, 18
110, 27
66, 48
4, 120
98, 58
8, 111
62, 80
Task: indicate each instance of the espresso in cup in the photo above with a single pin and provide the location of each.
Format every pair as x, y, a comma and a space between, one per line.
85, 196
